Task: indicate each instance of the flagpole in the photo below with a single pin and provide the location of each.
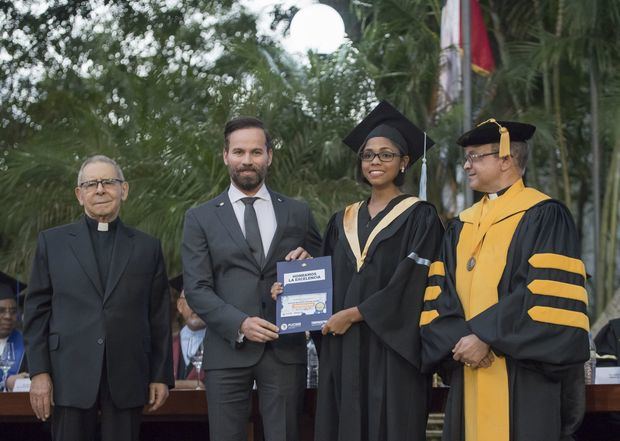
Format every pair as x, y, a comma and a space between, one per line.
466, 72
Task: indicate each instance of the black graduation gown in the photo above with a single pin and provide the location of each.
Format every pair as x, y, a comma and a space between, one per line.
544, 361
370, 385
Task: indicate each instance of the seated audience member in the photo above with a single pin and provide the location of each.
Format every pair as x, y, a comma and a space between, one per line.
186, 342
607, 343
9, 289
604, 426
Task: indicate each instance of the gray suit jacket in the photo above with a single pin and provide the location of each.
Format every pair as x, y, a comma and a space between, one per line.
224, 284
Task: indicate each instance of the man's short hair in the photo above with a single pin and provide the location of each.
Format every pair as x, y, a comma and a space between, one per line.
245, 122
520, 152
100, 158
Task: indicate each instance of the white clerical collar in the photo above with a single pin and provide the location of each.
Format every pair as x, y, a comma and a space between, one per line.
497, 194
234, 194
101, 226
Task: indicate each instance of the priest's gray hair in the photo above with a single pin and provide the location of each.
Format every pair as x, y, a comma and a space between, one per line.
100, 158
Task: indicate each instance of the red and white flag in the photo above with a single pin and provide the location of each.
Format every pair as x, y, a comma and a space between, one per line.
451, 40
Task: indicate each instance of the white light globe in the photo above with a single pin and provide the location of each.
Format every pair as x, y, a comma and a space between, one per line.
316, 27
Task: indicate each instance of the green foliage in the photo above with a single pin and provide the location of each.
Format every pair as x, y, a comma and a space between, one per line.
152, 86
159, 108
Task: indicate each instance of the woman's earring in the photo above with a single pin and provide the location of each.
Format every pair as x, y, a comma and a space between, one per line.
402, 169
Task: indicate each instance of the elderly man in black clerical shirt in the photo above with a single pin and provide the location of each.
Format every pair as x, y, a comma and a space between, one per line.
97, 318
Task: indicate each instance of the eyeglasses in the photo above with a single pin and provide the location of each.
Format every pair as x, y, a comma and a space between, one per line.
473, 157
369, 156
8, 311
105, 183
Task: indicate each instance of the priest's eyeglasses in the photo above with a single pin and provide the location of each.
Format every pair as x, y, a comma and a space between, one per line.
8, 311
105, 183
473, 157
369, 156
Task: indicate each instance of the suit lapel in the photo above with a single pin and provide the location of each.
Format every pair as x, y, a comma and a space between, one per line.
123, 246
226, 214
280, 208
82, 247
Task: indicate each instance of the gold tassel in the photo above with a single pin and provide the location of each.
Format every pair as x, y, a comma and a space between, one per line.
504, 142
504, 137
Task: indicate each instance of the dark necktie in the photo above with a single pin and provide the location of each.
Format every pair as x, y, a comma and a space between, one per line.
252, 233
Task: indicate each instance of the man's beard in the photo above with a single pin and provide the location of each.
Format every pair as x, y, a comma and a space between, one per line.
248, 182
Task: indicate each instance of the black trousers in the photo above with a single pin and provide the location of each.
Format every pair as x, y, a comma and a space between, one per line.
280, 393
74, 424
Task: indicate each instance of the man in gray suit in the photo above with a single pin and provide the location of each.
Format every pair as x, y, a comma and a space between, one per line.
230, 248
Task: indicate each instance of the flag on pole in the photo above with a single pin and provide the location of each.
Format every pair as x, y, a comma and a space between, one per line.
483, 63
449, 58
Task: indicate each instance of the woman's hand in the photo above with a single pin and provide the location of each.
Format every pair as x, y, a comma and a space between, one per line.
340, 322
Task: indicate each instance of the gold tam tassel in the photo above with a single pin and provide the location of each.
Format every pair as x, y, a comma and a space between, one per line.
504, 138
504, 142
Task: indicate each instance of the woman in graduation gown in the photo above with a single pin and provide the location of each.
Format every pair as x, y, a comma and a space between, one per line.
370, 384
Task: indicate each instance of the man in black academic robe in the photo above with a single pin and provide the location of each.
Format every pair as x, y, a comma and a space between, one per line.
97, 317
505, 316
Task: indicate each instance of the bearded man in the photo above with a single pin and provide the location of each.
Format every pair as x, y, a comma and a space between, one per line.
230, 248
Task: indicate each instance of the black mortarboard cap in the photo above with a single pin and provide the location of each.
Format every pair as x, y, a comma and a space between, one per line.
177, 282
386, 121
491, 131
10, 287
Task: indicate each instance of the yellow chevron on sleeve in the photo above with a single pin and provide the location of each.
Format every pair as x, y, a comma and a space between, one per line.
558, 261
558, 289
437, 269
431, 293
428, 316
557, 316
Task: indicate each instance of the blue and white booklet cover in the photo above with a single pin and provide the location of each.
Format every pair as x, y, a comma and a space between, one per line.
306, 302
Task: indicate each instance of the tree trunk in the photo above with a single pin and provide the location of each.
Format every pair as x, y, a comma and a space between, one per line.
596, 173
611, 311
557, 102
503, 53
609, 215
547, 94
545, 68
610, 258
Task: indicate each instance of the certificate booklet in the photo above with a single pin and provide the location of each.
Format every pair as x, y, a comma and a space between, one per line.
306, 302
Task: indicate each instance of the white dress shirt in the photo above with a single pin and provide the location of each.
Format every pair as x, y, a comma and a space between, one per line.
265, 214
190, 340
